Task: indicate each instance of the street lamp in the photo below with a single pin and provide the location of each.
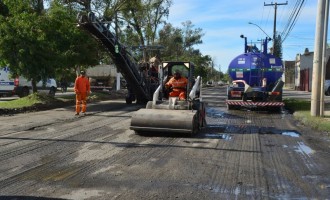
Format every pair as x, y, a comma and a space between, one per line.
265, 44
260, 29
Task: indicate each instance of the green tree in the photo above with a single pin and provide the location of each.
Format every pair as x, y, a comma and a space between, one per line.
202, 64
143, 17
172, 40
23, 42
74, 47
278, 46
226, 78
180, 44
191, 36
39, 44
4, 11
136, 23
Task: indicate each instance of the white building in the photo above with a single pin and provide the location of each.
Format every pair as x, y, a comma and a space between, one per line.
304, 70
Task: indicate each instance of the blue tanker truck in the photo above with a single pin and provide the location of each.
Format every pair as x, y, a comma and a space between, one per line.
256, 79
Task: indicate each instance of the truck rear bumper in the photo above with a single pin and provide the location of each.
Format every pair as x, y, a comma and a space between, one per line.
255, 104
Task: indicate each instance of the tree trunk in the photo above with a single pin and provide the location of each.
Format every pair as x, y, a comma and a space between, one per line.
34, 86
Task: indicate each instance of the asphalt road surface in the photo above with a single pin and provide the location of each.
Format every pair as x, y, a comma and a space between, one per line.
242, 154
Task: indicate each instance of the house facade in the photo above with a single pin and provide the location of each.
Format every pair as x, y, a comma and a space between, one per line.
304, 70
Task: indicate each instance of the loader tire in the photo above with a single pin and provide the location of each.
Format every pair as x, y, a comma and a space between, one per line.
128, 100
196, 126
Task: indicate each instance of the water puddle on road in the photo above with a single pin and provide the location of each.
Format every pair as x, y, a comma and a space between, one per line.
217, 115
304, 149
214, 126
214, 113
217, 136
248, 121
301, 148
291, 133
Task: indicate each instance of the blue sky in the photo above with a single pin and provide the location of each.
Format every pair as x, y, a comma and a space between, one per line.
224, 21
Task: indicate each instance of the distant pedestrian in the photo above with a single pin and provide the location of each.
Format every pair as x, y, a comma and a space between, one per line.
64, 84
82, 90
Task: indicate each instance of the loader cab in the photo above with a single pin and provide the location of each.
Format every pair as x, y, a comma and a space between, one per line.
168, 70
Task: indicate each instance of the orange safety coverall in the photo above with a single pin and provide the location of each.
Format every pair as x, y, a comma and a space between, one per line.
179, 87
82, 90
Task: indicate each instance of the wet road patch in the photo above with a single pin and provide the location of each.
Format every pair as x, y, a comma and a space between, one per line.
218, 136
303, 149
291, 133
214, 113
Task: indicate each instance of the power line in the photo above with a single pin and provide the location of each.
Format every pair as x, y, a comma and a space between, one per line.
283, 14
267, 20
296, 19
293, 19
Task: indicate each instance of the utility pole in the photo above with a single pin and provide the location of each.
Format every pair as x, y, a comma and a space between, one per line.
324, 56
319, 58
275, 13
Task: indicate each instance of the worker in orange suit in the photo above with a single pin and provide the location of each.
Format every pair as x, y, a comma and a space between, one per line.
82, 90
178, 85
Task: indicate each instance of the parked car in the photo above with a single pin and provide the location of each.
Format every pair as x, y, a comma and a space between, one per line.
21, 86
209, 83
221, 83
24, 87
7, 84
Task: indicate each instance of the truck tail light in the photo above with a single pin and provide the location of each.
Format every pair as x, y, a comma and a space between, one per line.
274, 93
235, 93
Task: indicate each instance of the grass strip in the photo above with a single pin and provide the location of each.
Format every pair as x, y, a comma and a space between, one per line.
301, 111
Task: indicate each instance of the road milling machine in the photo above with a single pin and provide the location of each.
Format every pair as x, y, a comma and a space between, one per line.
169, 114
162, 113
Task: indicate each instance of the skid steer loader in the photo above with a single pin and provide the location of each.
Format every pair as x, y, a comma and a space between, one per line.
169, 114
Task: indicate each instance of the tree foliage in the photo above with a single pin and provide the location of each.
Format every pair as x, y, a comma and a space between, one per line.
278, 46
75, 48
39, 44
179, 44
39, 41
134, 22
24, 45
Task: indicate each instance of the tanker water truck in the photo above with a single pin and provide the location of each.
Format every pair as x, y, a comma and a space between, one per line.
256, 79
